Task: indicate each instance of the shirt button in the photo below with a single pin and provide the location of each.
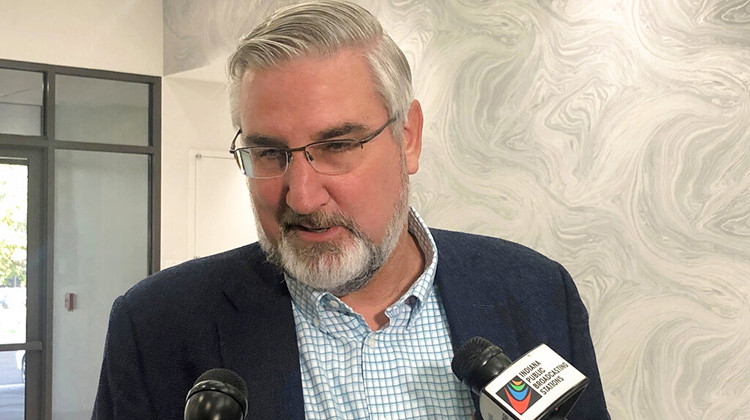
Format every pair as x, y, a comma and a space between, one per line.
372, 341
334, 304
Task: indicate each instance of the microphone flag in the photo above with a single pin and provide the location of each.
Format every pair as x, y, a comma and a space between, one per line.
537, 385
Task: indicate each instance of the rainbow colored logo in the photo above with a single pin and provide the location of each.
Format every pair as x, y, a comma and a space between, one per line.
518, 394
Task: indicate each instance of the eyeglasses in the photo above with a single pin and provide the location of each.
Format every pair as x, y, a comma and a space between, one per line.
328, 157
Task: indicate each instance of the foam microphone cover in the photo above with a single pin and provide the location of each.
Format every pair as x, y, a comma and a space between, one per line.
218, 394
477, 362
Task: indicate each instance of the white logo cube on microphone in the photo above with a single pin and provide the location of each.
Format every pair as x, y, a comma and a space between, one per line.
533, 385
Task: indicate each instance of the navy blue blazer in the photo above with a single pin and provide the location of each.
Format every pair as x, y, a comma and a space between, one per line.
233, 310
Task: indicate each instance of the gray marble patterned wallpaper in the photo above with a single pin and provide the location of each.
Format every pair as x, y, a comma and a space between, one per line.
613, 136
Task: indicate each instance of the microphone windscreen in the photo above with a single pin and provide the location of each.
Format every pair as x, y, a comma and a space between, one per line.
477, 362
467, 354
225, 376
218, 394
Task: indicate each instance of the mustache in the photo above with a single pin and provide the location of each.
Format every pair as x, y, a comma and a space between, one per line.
318, 220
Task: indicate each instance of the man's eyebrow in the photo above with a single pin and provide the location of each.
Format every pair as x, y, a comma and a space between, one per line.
256, 139
339, 131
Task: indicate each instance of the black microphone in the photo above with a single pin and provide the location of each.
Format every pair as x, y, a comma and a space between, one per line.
218, 394
538, 386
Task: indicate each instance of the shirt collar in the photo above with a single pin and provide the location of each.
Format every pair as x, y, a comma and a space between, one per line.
311, 302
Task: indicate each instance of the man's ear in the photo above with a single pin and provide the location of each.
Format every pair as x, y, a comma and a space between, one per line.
412, 142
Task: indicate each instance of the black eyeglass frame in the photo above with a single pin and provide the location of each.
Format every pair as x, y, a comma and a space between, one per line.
288, 151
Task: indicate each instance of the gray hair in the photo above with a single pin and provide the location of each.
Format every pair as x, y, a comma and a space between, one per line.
323, 28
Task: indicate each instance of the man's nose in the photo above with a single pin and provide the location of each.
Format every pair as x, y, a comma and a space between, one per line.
305, 190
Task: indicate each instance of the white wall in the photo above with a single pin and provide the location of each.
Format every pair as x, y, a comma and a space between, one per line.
195, 117
117, 35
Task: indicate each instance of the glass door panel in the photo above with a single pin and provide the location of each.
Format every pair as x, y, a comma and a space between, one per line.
13, 262
101, 250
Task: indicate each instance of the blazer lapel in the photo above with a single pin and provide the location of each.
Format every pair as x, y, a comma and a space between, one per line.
471, 290
469, 279
258, 339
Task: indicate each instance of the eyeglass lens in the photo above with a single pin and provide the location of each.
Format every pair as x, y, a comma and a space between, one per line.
331, 158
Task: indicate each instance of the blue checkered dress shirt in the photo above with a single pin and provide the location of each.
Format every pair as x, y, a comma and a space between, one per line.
401, 371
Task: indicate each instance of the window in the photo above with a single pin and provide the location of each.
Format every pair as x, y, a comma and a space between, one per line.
79, 177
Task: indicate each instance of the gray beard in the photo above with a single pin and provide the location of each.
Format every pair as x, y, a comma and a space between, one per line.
338, 268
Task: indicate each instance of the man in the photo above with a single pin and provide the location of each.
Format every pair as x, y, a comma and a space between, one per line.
349, 307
